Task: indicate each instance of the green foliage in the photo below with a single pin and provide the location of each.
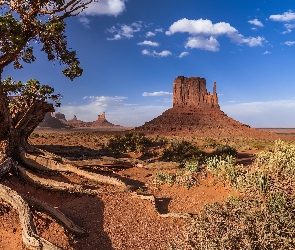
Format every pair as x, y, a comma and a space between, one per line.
162, 178
28, 93
223, 168
24, 23
130, 142
262, 217
224, 150
244, 224
180, 152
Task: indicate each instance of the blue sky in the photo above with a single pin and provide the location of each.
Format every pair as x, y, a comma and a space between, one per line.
131, 51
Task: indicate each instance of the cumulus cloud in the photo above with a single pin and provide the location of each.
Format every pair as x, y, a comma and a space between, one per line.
200, 26
149, 43
256, 22
149, 34
285, 17
289, 43
263, 114
159, 93
105, 7
118, 111
288, 18
124, 31
164, 53
203, 34
266, 52
183, 54
210, 44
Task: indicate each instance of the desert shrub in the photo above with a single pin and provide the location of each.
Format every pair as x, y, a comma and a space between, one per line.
243, 224
223, 167
163, 178
210, 142
181, 151
186, 176
130, 142
263, 217
224, 150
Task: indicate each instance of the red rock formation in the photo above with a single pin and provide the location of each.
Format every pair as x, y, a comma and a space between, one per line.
51, 121
196, 112
58, 120
192, 92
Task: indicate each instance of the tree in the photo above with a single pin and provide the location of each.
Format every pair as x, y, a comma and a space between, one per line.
22, 23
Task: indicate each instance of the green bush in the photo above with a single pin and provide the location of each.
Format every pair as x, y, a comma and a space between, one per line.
130, 142
262, 217
240, 224
224, 150
181, 151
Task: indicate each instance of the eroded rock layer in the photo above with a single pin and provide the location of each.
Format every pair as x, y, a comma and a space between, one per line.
196, 112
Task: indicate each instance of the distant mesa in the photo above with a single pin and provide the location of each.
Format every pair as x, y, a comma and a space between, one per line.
58, 120
196, 112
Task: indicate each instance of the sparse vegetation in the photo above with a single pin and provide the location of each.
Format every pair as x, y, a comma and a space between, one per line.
225, 150
262, 217
130, 142
181, 151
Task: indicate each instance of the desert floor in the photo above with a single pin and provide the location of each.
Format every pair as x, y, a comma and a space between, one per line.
114, 219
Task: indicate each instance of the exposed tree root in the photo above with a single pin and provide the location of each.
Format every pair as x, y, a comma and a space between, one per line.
153, 200
29, 236
44, 164
57, 214
54, 185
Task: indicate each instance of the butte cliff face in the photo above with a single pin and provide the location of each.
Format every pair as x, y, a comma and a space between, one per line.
196, 112
58, 120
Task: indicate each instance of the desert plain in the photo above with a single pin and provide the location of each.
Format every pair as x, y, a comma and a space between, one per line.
123, 219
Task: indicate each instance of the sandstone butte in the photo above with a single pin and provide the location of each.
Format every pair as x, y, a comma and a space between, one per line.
196, 112
58, 120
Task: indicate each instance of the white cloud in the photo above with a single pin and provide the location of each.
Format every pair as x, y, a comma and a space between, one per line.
117, 110
266, 52
159, 30
254, 41
256, 22
210, 44
149, 43
164, 53
85, 21
159, 93
287, 31
200, 26
253, 28
116, 37
289, 25
149, 34
204, 33
286, 17
289, 43
183, 54
263, 114
124, 30
145, 52
105, 7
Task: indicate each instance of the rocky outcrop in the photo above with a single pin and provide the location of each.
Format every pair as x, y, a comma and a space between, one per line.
196, 112
58, 120
52, 122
